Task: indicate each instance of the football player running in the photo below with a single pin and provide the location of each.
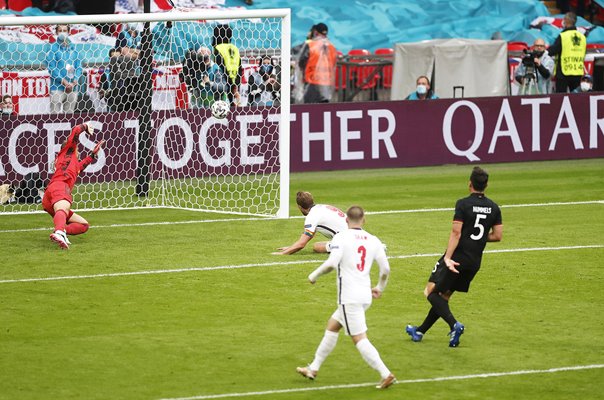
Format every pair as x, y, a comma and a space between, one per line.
352, 254
477, 220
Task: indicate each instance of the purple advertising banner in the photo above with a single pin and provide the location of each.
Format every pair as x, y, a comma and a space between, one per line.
448, 131
188, 143
185, 143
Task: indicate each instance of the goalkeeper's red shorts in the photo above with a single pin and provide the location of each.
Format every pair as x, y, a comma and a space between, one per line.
55, 192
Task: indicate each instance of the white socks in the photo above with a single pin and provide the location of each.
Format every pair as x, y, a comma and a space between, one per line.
372, 357
328, 343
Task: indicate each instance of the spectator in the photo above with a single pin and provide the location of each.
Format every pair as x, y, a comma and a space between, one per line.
125, 70
263, 85
536, 65
7, 106
569, 50
296, 82
204, 79
64, 67
105, 97
317, 61
423, 90
585, 86
129, 40
228, 60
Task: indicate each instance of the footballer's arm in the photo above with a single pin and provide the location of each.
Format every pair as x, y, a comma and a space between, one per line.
453, 242
496, 233
384, 266
297, 246
325, 268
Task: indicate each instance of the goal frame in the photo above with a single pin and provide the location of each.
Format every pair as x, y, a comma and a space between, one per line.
205, 15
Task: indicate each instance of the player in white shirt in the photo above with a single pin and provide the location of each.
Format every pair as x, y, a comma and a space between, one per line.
328, 220
352, 254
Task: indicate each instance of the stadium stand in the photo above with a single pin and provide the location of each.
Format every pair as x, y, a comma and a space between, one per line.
364, 32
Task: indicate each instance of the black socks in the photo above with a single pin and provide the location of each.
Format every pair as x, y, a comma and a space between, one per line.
441, 307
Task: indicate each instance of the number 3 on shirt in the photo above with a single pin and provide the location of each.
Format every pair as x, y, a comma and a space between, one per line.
363, 252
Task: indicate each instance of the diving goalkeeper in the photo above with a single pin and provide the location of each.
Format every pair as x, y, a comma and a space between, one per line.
57, 196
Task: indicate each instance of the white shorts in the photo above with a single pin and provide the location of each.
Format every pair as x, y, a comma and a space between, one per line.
352, 318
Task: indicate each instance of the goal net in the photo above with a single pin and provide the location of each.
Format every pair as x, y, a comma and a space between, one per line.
146, 82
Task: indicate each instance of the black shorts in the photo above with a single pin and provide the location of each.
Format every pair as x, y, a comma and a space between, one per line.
447, 280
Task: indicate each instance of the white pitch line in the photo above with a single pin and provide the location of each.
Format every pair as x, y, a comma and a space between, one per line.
400, 382
270, 264
207, 221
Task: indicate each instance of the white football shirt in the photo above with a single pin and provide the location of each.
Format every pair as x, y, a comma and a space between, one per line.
325, 219
352, 254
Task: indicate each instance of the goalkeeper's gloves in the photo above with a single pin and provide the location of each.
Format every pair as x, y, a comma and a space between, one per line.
96, 149
89, 128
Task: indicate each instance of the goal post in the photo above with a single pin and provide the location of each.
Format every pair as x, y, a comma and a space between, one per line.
98, 73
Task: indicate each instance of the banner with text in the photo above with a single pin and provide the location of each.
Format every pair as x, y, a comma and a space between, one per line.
323, 137
451, 131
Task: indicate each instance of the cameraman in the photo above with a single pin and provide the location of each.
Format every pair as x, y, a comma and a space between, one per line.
204, 79
538, 64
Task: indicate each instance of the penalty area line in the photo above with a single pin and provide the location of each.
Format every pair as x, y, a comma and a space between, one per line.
269, 264
400, 382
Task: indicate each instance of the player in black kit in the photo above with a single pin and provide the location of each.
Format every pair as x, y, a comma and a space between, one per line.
477, 221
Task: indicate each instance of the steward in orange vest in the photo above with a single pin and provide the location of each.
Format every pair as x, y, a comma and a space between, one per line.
318, 61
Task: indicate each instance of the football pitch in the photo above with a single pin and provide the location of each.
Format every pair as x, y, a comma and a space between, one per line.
170, 304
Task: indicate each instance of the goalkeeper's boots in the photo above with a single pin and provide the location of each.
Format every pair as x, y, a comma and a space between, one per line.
60, 238
412, 331
307, 372
386, 382
457, 331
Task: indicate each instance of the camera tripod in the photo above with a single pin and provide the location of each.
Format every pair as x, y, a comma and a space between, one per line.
529, 84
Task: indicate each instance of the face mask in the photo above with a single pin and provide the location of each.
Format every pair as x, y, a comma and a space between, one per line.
421, 89
7, 110
132, 26
538, 53
266, 69
585, 86
61, 37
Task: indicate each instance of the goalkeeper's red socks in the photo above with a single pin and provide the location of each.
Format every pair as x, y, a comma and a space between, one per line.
75, 228
60, 220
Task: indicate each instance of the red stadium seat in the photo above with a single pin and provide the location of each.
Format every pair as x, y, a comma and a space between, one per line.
517, 46
341, 73
364, 76
388, 69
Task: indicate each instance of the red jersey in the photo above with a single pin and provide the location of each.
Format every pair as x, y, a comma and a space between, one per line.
67, 165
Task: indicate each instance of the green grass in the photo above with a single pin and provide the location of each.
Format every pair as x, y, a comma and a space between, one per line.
240, 330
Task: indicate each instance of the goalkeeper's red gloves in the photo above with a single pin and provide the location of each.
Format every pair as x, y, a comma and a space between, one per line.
96, 149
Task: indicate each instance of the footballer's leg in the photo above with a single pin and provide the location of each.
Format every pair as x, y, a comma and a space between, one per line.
61, 214
328, 343
76, 225
373, 359
321, 247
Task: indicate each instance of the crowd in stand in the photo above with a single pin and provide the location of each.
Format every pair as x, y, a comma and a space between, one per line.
214, 72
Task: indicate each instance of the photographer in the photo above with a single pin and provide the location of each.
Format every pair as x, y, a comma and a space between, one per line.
537, 66
263, 85
204, 79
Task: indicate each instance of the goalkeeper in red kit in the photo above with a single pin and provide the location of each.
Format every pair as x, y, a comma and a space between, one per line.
57, 196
